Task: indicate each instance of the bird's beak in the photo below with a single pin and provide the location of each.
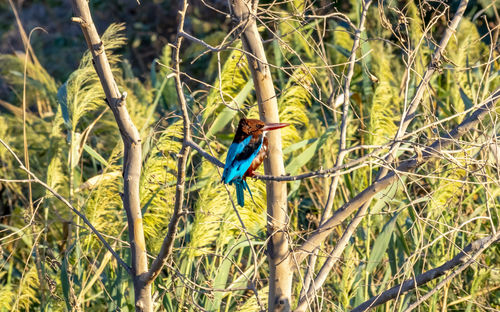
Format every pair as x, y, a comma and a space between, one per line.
274, 126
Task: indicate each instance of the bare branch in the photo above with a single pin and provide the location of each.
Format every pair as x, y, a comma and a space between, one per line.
168, 242
464, 259
409, 114
209, 157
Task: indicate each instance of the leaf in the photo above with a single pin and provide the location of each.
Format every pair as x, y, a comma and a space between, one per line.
65, 282
304, 157
22, 234
385, 197
62, 95
75, 149
467, 102
223, 271
292, 148
98, 179
381, 244
278, 59
95, 155
341, 49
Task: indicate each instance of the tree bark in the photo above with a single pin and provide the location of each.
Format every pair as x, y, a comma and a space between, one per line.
131, 154
280, 275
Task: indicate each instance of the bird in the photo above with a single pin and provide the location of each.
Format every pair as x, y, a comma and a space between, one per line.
246, 153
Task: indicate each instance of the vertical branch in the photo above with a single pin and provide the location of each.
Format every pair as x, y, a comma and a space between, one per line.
342, 143
131, 154
168, 242
280, 275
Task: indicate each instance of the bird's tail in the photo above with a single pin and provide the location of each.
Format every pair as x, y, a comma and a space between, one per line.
240, 192
241, 186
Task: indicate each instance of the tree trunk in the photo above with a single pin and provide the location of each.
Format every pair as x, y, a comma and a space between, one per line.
280, 275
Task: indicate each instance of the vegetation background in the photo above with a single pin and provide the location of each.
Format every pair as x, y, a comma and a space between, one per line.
50, 261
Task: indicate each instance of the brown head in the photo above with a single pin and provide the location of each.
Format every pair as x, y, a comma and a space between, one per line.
254, 127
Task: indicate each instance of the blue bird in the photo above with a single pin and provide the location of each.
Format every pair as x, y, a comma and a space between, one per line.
246, 153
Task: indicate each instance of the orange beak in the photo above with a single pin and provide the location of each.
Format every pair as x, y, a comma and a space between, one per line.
274, 126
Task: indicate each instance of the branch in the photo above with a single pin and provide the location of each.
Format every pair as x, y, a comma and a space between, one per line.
367, 194
35, 179
132, 153
464, 258
209, 157
334, 171
408, 116
168, 241
243, 12
305, 293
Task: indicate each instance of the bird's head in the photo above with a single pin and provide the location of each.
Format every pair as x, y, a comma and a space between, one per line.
255, 127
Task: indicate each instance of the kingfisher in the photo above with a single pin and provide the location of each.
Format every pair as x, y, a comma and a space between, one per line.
246, 153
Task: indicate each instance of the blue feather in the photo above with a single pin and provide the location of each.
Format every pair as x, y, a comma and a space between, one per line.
239, 158
241, 185
248, 189
240, 195
236, 167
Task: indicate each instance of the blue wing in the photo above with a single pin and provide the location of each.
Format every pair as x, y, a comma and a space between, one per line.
239, 158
